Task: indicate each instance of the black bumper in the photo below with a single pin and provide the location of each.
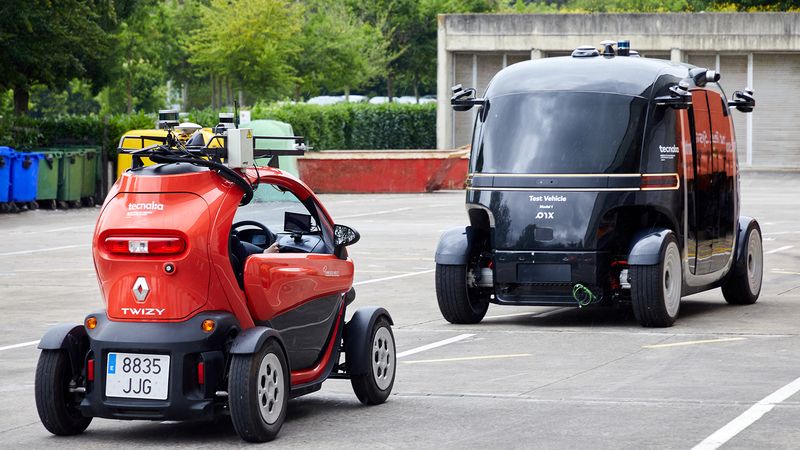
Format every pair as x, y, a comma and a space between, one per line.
547, 277
186, 344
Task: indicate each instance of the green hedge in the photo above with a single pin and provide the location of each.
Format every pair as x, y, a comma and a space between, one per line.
348, 126
22, 132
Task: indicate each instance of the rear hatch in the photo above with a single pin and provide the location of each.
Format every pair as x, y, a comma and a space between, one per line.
151, 255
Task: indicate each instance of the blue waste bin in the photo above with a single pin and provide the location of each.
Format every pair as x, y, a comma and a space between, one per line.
24, 177
6, 155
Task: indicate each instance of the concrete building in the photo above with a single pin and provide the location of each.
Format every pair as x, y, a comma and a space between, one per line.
757, 50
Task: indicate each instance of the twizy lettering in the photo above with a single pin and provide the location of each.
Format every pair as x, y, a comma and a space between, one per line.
143, 311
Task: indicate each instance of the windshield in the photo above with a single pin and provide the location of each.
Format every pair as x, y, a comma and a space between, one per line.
560, 132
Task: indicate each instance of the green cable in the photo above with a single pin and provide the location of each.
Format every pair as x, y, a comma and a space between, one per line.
583, 295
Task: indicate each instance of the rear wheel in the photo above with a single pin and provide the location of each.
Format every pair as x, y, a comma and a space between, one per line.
374, 387
57, 406
258, 389
456, 302
743, 286
656, 289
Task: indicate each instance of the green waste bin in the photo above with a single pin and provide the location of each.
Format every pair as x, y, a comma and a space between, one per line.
89, 179
49, 173
70, 184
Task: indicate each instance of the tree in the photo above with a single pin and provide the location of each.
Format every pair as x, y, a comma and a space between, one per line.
142, 47
51, 42
339, 51
250, 43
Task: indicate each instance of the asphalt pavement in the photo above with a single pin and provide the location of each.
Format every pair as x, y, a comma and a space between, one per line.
526, 377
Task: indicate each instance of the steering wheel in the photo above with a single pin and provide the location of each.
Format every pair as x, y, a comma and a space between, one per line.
252, 223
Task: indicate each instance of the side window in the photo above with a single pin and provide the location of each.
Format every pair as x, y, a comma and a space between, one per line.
269, 207
722, 134
702, 134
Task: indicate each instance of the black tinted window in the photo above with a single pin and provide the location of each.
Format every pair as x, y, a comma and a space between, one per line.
560, 132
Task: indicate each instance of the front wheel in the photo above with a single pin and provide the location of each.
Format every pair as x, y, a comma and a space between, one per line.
56, 405
258, 389
743, 285
453, 296
656, 289
374, 386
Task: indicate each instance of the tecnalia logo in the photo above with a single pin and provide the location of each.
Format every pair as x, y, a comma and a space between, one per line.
152, 206
143, 311
668, 148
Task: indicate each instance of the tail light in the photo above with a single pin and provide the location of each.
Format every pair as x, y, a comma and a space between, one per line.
145, 245
201, 373
660, 181
90, 370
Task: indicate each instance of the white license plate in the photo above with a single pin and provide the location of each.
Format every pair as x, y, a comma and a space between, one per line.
136, 375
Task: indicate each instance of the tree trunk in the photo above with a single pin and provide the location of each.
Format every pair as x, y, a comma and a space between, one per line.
213, 92
129, 94
21, 97
390, 86
228, 93
297, 92
185, 96
241, 97
347, 94
416, 89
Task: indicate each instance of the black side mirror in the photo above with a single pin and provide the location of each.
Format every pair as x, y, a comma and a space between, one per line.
345, 236
702, 76
743, 101
679, 97
464, 99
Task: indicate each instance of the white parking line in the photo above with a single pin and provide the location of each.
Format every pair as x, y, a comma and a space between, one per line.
375, 213
394, 277
24, 344
467, 358
704, 341
40, 250
436, 344
748, 417
779, 249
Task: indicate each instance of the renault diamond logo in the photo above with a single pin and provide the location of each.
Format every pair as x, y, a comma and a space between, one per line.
140, 289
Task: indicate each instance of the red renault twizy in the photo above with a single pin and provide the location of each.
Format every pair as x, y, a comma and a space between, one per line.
225, 286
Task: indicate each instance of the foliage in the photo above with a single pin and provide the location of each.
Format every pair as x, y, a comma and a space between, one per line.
355, 126
342, 127
23, 131
250, 43
339, 51
50, 42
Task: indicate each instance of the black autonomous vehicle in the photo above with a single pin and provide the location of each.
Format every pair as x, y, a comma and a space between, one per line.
600, 178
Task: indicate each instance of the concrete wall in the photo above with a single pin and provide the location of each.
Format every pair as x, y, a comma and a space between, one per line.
743, 46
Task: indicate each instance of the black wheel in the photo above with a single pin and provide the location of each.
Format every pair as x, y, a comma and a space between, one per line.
62, 205
374, 387
743, 284
89, 201
258, 392
49, 204
453, 295
57, 406
33, 205
656, 289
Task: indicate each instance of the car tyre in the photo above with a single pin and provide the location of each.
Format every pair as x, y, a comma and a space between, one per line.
374, 386
56, 405
258, 392
743, 286
656, 289
455, 302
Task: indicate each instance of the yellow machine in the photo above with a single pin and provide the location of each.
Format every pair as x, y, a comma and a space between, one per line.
136, 139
